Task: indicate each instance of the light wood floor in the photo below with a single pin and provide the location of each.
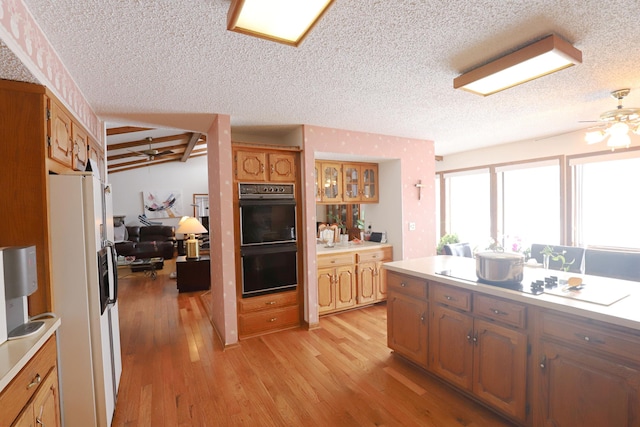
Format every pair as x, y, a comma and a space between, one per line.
176, 373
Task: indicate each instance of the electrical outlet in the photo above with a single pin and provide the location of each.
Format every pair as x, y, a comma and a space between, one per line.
412, 226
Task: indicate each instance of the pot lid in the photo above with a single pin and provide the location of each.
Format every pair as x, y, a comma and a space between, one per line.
500, 255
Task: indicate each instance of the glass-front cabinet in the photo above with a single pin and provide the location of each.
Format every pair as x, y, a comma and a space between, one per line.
346, 182
331, 184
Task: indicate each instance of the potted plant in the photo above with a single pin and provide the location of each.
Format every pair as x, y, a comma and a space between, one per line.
548, 253
445, 240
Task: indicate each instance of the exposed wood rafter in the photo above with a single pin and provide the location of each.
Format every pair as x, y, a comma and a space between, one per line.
195, 137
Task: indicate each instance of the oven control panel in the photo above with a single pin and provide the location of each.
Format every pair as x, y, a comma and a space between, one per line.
261, 191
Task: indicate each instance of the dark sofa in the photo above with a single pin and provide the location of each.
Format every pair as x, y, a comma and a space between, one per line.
148, 242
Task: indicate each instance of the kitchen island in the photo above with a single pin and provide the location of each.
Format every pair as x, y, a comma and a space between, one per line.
556, 358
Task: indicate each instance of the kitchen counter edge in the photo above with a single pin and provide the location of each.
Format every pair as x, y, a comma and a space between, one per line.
15, 354
351, 247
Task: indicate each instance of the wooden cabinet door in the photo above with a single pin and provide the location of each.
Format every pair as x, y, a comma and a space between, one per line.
61, 142
46, 402
451, 345
80, 149
369, 191
26, 418
407, 327
580, 389
500, 367
381, 275
318, 178
282, 167
96, 153
351, 179
250, 166
326, 290
367, 278
331, 183
345, 287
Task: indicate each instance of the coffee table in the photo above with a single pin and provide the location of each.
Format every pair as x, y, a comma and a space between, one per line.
148, 265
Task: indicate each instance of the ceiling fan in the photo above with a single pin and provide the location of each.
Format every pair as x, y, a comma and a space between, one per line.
152, 153
616, 124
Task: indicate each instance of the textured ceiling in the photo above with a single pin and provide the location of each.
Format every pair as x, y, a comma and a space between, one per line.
376, 66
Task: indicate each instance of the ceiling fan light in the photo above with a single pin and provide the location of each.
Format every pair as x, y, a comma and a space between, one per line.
619, 140
618, 129
593, 137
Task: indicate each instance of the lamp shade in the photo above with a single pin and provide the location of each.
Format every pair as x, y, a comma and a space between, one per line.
190, 225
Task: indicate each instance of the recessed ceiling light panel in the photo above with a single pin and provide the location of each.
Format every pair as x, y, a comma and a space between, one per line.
535, 60
283, 21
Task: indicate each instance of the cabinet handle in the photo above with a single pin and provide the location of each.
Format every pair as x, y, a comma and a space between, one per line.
35, 381
589, 339
39, 417
402, 285
422, 318
270, 303
498, 312
543, 362
469, 336
272, 168
448, 298
262, 167
475, 339
273, 319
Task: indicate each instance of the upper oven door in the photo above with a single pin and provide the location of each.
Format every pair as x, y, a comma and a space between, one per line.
267, 221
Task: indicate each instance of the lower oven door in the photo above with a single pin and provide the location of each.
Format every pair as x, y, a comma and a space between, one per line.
268, 268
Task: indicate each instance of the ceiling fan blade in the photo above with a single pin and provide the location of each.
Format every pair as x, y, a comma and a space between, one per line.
164, 153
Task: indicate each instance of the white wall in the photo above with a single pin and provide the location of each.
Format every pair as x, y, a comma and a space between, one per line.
189, 177
567, 144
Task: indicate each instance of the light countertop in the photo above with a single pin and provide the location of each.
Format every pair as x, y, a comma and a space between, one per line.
15, 354
624, 312
341, 248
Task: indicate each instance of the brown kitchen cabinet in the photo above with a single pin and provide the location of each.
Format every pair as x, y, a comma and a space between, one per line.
371, 277
268, 313
60, 134
582, 364
264, 166
407, 317
360, 182
96, 153
32, 397
330, 182
336, 283
475, 348
80, 149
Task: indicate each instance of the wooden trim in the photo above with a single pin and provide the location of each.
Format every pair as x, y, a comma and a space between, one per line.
125, 129
261, 146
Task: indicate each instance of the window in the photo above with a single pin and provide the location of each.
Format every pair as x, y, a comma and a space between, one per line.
529, 204
607, 205
468, 197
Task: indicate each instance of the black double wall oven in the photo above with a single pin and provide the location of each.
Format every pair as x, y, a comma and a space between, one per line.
268, 247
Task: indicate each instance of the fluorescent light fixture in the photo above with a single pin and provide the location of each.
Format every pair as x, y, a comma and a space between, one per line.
535, 60
283, 21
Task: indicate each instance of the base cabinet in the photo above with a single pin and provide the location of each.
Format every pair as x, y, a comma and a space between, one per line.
268, 313
407, 317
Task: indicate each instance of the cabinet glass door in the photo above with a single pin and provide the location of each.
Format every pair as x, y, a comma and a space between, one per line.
331, 181
351, 183
369, 190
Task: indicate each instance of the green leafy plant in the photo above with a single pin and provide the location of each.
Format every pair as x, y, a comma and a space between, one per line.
360, 224
557, 256
445, 240
337, 219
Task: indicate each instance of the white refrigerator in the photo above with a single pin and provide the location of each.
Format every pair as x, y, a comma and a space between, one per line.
84, 272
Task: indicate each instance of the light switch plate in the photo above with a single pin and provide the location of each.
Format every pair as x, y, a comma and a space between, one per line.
412, 226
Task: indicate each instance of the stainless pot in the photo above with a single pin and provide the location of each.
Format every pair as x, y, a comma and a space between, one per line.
500, 267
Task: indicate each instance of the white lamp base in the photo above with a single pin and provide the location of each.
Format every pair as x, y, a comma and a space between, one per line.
193, 247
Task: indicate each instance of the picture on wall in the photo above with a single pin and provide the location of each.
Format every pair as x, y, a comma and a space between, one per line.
162, 203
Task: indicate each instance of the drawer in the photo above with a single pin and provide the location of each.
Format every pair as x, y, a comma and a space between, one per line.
590, 336
450, 296
503, 311
377, 255
407, 285
270, 320
333, 260
266, 302
16, 395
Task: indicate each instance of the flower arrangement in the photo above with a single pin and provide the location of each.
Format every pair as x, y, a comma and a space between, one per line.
549, 253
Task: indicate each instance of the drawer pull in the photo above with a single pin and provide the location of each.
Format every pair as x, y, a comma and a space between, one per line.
270, 303
422, 318
403, 284
273, 319
469, 336
543, 362
36, 380
448, 298
498, 312
589, 339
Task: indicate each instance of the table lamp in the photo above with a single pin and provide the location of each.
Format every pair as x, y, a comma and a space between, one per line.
191, 226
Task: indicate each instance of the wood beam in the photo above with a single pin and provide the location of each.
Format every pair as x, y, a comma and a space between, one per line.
195, 137
125, 129
145, 142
